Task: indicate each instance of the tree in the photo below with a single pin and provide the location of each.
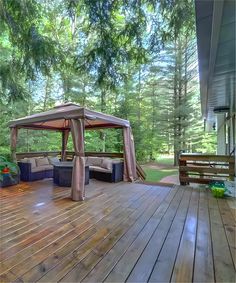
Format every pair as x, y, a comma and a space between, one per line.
133, 59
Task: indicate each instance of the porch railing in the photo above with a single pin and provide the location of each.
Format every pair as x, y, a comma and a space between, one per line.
201, 168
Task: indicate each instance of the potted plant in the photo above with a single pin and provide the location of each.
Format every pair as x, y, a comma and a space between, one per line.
9, 173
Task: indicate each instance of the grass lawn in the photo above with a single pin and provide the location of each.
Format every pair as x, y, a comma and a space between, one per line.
155, 175
165, 159
164, 164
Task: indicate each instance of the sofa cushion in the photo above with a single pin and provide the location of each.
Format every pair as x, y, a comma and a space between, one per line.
117, 160
37, 169
24, 160
53, 159
30, 160
42, 168
107, 163
94, 161
47, 167
42, 161
99, 169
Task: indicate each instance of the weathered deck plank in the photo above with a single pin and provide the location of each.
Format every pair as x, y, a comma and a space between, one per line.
144, 265
223, 262
229, 226
67, 254
183, 269
164, 265
203, 265
121, 233
107, 247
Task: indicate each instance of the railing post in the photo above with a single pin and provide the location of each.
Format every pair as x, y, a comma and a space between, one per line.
231, 171
182, 174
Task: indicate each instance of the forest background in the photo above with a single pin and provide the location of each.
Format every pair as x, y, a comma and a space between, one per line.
134, 59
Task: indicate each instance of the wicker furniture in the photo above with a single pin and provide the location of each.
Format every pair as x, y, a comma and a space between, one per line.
105, 169
100, 168
62, 174
9, 181
114, 176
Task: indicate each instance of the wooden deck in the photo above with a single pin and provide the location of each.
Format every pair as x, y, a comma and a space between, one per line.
122, 232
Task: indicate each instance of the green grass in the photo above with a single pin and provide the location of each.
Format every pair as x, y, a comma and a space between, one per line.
155, 175
165, 160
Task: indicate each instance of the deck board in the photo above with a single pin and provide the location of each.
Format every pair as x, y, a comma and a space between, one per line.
203, 265
139, 231
229, 226
223, 262
183, 269
144, 265
121, 233
164, 265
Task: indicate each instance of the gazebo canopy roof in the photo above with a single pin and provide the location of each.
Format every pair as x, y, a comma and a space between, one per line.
59, 118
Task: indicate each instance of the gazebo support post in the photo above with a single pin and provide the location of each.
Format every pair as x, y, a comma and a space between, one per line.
13, 142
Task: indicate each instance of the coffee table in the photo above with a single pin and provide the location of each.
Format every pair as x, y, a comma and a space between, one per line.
62, 174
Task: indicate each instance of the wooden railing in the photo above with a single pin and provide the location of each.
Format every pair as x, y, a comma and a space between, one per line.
69, 154
201, 168
20, 155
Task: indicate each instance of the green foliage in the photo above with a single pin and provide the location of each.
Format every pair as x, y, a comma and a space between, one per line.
14, 169
134, 59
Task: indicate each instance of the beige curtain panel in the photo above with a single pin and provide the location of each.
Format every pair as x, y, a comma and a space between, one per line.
13, 141
129, 156
78, 173
65, 137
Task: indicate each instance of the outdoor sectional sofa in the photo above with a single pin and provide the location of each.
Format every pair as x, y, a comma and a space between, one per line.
100, 168
35, 168
105, 169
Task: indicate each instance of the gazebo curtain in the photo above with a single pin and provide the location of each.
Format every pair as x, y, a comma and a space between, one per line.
14, 133
129, 156
78, 173
65, 136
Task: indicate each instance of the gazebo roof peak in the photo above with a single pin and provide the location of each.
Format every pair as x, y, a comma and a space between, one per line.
58, 118
67, 104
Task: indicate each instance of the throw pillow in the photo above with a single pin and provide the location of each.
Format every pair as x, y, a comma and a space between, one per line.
53, 159
42, 161
95, 161
32, 161
107, 163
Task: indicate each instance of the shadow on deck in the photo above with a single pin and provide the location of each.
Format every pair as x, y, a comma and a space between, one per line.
121, 232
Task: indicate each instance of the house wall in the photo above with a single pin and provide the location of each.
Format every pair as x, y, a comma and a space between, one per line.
233, 137
225, 134
232, 133
221, 134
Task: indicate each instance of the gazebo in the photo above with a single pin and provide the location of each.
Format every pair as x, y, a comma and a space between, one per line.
73, 118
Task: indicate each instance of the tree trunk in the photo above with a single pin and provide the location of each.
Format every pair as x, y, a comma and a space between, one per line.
176, 107
185, 89
139, 98
103, 109
66, 87
46, 94
153, 122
